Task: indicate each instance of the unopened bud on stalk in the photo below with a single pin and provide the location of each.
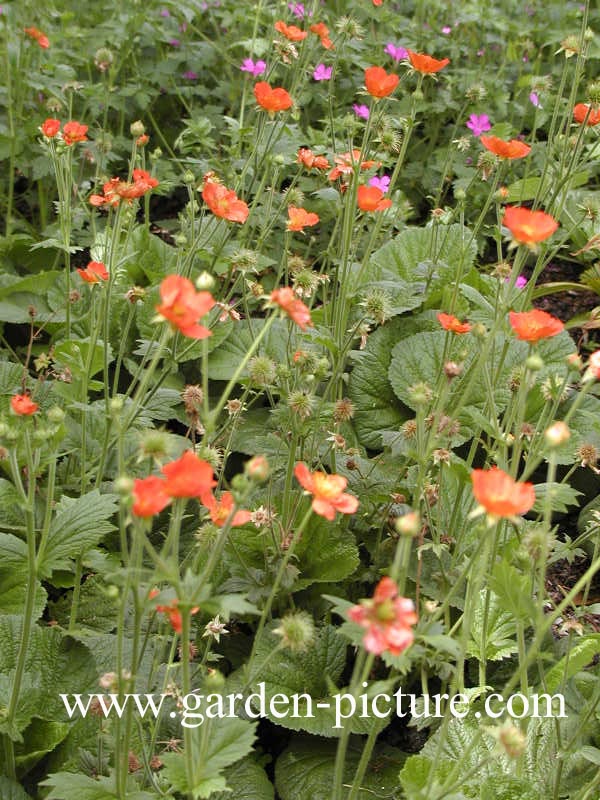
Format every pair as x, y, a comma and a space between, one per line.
205, 282
123, 485
558, 433
116, 406
137, 129
534, 363
257, 469
297, 631
408, 524
56, 415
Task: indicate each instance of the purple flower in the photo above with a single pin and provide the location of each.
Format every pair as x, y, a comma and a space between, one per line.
446, 30
361, 111
519, 283
478, 124
190, 75
298, 10
165, 12
174, 42
322, 73
397, 53
534, 99
254, 68
382, 182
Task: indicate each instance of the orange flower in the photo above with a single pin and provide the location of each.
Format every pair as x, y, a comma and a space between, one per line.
345, 163
327, 491
528, 227
272, 100
173, 613
300, 218
451, 323
50, 127
23, 405
74, 132
189, 476
310, 160
182, 306
322, 32
94, 272
510, 150
291, 32
370, 198
500, 495
224, 202
531, 326
293, 307
377, 2
38, 36
149, 496
116, 190
221, 509
426, 64
379, 83
387, 618
581, 111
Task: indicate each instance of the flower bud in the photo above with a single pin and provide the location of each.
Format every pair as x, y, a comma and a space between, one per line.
56, 415
205, 282
558, 433
534, 363
123, 485
137, 128
297, 631
408, 524
257, 469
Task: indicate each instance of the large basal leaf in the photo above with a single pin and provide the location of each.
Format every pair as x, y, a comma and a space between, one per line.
325, 553
305, 770
228, 740
376, 406
78, 525
68, 785
225, 359
246, 780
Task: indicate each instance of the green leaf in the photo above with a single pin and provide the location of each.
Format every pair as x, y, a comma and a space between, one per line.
376, 406
9, 790
78, 525
513, 590
305, 770
246, 780
67, 785
74, 355
561, 497
325, 554
227, 740
416, 776
224, 361
40, 738
500, 631
582, 653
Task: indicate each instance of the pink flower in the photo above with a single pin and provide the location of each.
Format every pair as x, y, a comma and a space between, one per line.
519, 283
254, 68
382, 182
361, 111
534, 99
397, 53
478, 124
298, 10
190, 75
322, 73
446, 30
387, 619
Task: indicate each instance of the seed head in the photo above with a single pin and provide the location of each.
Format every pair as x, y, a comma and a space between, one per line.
297, 631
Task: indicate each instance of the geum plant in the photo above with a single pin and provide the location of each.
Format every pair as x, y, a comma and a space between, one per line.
299, 447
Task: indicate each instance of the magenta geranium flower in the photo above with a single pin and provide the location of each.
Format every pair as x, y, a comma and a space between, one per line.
322, 73
382, 182
396, 52
298, 10
361, 111
478, 124
254, 68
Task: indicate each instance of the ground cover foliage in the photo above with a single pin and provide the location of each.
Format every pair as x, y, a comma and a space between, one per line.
299, 394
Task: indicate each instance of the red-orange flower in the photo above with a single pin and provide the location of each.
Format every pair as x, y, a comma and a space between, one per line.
50, 127
531, 326
149, 496
74, 132
183, 306
224, 202
272, 100
387, 618
173, 613
293, 307
94, 272
23, 405
220, 510
300, 218
581, 111
327, 491
38, 36
528, 227
116, 189
451, 323
310, 160
370, 198
500, 495
346, 162
426, 64
379, 83
512, 149
189, 476
322, 31
377, 2
291, 32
